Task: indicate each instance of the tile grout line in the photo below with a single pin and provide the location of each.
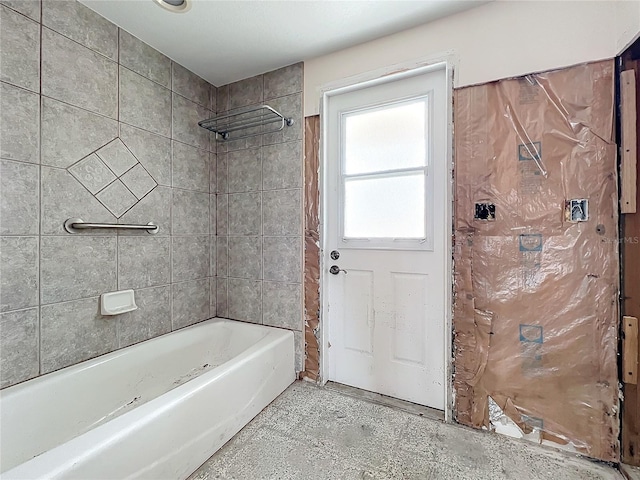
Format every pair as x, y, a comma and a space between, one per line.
92, 50
18, 87
40, 103
22, 14
117, 321
171, 213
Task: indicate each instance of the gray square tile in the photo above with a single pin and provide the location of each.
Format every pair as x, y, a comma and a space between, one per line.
92, 173
63, 197
19, 360
222, 256
245, 170
212, 256
282, 305
156, 208
18, 273
20, 53
222, 173
282, 212
222, 99
78, 76
213, 164
253, 137
245, 257
186, 115
30, 8
19, 198
69, 133
213, 143
212, 297
139, 181
190, 213
222, 214
282, 166
151, 319
72, 19
221, 297
144, 103
190, 168
117, 157
191, 86
117, 198
143, 261
76, 267
213, 217
153, 151
283, 81
246, 92
190, 302
300, 351
190, 258
290, 107
245, 214
245, 300
213, 95
75, 331
19, 124
144, 59
282, 259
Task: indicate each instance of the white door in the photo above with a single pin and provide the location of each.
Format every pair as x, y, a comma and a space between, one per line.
385, 226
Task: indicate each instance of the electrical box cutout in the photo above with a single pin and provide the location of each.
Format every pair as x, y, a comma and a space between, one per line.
485, 211
577, 210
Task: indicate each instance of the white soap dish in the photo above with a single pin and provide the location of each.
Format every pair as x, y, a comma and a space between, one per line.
115, 303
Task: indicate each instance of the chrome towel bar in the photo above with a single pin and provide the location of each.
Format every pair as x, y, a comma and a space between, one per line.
75, 225
248, 122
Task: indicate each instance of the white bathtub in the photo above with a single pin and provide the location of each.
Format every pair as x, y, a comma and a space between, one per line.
155, 410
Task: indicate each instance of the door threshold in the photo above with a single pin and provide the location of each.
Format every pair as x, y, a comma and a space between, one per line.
387, 401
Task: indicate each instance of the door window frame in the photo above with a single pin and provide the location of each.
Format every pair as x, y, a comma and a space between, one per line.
390, 243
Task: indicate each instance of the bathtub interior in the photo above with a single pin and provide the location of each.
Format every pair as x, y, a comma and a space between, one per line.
50, 410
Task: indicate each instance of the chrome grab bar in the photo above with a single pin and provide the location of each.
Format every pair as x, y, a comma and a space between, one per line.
75, 225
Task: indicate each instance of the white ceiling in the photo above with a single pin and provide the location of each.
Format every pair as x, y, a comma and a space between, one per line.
224, 41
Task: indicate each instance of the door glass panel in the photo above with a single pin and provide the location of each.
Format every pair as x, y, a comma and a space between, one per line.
387, 138
385, 207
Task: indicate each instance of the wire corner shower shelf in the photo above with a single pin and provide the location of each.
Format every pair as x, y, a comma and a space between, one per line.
246, 122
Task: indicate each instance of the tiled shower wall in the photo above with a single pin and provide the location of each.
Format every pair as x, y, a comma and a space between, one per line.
97, 125
259, 209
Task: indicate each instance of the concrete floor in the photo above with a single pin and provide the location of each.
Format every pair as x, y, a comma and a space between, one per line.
313, 433
630, 472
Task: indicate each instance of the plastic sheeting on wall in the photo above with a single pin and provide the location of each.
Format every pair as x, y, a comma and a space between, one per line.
536, 266
311, 369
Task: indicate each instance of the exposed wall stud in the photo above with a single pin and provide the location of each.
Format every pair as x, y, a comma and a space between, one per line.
630, 350
628, 167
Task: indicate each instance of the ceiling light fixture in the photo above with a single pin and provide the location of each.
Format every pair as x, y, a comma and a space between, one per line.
176, 6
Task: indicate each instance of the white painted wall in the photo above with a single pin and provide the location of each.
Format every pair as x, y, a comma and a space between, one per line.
493, 41
627, 23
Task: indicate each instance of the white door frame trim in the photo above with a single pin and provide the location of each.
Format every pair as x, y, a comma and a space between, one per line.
366, 80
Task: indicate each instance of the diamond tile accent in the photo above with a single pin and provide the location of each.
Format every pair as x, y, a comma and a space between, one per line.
117, 198
138, 181
117, 157
92, 173
119, 192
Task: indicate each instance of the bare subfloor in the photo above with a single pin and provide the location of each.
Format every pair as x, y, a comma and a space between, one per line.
311, 433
